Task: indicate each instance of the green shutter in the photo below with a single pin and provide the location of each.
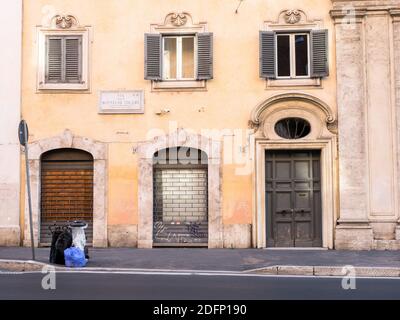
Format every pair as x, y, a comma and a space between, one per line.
267, 55
64, 59
54, 59
152, 56
319, 54
73, 59
204, 56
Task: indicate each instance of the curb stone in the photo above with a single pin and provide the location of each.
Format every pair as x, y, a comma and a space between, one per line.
328, 271
21, 265
296, 270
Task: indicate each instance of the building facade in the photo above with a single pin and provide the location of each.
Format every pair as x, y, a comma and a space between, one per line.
10, 111
220, 124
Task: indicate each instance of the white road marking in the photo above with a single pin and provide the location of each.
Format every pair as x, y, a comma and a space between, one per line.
194, 273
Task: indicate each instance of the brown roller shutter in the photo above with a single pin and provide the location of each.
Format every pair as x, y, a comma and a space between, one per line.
66, 191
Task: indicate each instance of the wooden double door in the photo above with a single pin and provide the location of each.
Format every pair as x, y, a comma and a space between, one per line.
293, 198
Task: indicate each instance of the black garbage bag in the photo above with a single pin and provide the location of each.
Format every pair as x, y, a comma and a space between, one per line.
64, 241
55, 234
86, 252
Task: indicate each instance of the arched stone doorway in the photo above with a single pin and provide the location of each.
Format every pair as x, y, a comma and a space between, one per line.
67, 140
293, 170
179, 139
66, 180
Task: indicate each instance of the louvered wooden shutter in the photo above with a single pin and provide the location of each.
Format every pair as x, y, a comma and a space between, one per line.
64, 59
319, 54
152, 56
72, 60
204, 56
54, 59
267, 55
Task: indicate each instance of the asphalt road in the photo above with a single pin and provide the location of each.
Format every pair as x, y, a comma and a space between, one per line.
77, 286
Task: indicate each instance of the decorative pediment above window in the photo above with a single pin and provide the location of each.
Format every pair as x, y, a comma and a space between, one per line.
64, 22
179, 22
178, 19
293, 18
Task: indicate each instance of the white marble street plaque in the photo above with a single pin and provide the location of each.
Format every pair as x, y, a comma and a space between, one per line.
121, 101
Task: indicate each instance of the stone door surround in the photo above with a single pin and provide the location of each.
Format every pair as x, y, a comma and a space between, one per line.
180, 138
99, 152
322, 137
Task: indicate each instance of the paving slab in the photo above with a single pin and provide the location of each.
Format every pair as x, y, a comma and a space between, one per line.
219, 259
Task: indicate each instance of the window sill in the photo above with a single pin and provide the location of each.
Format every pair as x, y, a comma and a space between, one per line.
290, 83
61, 88
183, 85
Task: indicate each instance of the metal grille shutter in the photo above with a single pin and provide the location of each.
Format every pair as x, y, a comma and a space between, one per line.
267, 55
66, 195
73, 59
180, 205
152, 54
319, 53
204, 56
54, 59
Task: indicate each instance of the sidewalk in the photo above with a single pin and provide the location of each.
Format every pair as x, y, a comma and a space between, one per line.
229, 260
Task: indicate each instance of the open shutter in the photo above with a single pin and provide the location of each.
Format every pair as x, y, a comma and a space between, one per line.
267, 55
319, 53
54, 59
152, 56
73, 60
204, 56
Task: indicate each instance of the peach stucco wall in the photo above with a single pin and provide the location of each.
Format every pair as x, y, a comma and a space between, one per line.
117, 63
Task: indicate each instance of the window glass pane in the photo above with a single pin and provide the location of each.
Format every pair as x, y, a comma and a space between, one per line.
169, 61
283, 55
301, 42
188, 57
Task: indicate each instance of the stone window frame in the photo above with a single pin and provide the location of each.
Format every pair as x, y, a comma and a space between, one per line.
179, 24
323, 136
180, 138
99, 152
63, 25
292, 21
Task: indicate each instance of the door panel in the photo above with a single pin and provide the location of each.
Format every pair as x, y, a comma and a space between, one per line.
293, 199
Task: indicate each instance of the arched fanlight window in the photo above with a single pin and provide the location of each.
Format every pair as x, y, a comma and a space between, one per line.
292, 128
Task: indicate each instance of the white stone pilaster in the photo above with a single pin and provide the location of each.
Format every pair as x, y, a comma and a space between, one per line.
353, 230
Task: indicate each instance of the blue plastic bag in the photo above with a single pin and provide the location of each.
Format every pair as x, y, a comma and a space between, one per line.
75, 258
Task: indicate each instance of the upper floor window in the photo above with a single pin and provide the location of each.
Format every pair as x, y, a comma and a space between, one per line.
63, 52
178, 58
293, 55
